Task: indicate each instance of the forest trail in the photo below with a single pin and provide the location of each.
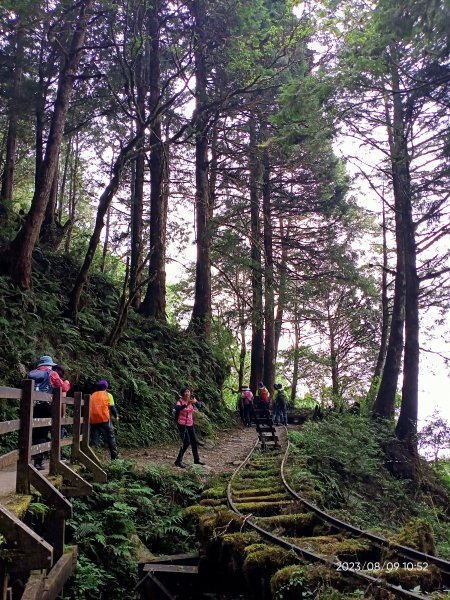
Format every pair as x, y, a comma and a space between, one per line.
221, 455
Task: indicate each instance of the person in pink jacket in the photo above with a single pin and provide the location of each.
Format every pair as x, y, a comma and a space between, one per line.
45, 379
184, 409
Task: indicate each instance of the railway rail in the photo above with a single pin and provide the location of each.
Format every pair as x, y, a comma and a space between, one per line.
259, 493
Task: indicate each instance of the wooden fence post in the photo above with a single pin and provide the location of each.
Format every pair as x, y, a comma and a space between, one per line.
25, 433
86, 428
76, 429
55, 450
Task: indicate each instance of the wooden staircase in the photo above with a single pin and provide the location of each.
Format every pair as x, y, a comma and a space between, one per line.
266, 429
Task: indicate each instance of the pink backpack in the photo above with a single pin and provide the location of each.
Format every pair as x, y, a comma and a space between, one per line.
248, 397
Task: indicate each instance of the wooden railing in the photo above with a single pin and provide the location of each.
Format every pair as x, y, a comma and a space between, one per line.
24, 550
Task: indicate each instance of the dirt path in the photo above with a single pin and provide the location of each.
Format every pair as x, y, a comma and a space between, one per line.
229, 448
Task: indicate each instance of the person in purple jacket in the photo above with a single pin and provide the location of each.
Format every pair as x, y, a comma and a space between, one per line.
185, 421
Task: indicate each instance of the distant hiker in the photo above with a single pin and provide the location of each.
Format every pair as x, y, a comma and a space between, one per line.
247, 402
262, 397
184, 409
280, 405
45, 379
102, 406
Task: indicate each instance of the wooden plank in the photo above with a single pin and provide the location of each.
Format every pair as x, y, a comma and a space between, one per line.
166, 568
59, 574
34, 553
174, 558
48, 586
7, 393
37, 448
55, 450
42, 422
6, 460
68, 400
39, 396
35, 586
7, 426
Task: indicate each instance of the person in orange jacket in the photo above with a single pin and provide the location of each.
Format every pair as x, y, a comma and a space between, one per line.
102, 406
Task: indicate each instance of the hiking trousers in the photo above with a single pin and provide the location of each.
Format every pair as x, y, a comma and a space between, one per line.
188, 438
107, 432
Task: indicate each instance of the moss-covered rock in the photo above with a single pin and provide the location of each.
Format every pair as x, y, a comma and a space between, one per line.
263, 508
261, 563
416, 534
291, 525
263, 491
215, 492
335, 547
211, 502
427, 579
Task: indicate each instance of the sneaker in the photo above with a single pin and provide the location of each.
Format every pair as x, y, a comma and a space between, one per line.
180, 464
199, 462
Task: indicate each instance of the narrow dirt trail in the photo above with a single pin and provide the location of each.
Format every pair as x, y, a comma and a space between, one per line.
221, 455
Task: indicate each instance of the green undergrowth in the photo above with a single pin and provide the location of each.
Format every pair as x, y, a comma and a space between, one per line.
339, 464
146, 369
136, 515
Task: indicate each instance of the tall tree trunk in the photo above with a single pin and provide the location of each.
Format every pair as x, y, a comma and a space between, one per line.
137, 201
385, 313
406, 429
384, 405
17, 259
295, 369
106, 241
269, 293
103, 205
73, 190
257, 352
201, 313
284, 235
62, 189
242, 330
6, 192
154, 304
333, 357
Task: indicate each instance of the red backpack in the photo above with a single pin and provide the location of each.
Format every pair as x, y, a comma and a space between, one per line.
264, 395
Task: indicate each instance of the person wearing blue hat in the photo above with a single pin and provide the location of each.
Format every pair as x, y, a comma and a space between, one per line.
45, 379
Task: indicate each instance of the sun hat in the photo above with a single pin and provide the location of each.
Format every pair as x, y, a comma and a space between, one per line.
46, 361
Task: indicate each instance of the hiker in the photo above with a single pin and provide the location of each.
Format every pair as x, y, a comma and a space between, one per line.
280, 405
262, 397
247, 402
102, 406
45, 380
184, 409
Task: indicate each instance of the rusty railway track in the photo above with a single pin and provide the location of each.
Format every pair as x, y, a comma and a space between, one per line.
282, 517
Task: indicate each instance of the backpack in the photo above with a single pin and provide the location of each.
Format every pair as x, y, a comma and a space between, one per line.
281, 398
41, 380
247, 397
264, 395
175, 413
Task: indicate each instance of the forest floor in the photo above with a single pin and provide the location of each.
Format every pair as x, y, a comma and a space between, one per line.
221, 455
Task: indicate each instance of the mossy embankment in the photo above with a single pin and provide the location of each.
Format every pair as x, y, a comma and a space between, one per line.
146, 368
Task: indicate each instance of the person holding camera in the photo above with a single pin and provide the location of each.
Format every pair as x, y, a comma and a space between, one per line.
185, 422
